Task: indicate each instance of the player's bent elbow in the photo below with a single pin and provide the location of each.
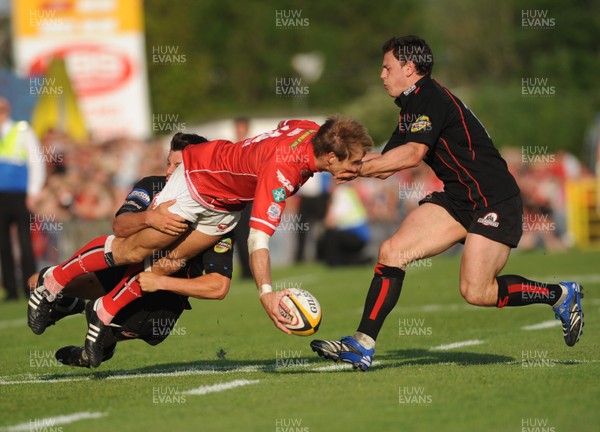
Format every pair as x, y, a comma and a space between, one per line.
223, 289
418, 153
415, 163
219, 287
117, 229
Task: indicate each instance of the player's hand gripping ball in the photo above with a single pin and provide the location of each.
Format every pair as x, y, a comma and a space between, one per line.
303, 309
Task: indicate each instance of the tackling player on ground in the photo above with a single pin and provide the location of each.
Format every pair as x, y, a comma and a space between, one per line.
480, 207
152, 317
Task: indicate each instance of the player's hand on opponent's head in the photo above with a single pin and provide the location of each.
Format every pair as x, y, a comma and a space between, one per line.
149, 282
270, 302
164, 221
345, 176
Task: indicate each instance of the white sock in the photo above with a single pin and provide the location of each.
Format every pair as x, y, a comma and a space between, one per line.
103, 314
365, 340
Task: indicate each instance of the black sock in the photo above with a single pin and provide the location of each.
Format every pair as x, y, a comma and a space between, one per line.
383, 295
515, 290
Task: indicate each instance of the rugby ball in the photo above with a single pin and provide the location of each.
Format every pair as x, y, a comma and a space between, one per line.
303, 309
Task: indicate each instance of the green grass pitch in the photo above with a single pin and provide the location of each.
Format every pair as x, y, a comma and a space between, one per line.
226, 368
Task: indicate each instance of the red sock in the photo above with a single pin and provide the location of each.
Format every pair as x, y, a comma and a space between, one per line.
89, 258
125, 292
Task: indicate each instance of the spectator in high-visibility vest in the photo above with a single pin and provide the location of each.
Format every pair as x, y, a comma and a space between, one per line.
346, 229
22, 176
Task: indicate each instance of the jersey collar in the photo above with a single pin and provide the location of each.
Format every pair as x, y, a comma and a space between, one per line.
414, 89
311, 158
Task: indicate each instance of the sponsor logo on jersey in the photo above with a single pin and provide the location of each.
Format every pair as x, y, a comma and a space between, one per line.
141, 195
223, 246
421, 123
489, 220
409, 90
132, 204
279, 194
294, 132
302, 138
274, 212
285, 182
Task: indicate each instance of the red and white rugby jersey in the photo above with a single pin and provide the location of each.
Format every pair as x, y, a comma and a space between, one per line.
265, 169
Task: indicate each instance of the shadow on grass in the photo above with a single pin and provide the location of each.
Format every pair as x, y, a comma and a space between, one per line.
389, 359
409, 357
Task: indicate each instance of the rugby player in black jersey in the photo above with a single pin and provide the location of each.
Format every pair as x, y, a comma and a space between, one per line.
152, 317
480, 206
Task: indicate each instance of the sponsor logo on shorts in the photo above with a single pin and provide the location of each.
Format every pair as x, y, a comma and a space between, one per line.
421, 124
284, 181
279, 194
140, 194
223, 246
489, 220
222, 227
274, 212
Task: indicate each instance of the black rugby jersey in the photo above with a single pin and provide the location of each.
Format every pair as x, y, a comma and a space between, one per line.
142, 194
461, 152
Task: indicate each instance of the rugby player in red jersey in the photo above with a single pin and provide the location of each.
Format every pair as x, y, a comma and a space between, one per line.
211, 186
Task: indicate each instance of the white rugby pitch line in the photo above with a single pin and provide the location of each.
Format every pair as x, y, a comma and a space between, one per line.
457, 345
49, 423
8, 380
215, 388
12, 323
542, 325
23, 322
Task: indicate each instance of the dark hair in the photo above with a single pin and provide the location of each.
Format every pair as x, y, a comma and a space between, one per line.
342, 136
181, 140
413, 49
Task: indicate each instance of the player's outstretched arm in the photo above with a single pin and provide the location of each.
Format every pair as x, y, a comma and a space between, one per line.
160, 219
212, 286
260, 264
408, 155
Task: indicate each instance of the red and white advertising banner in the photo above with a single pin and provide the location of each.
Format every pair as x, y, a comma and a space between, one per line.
102, 42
